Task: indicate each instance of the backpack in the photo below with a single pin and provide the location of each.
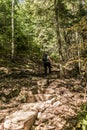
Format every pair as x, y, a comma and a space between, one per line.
45, 59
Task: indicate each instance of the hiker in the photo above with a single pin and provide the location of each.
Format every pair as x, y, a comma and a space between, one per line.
47, 64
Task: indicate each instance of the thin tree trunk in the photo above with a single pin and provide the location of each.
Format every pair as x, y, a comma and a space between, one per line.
12, 21
77, 42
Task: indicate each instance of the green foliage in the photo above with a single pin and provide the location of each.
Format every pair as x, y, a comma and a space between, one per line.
35, 28
82, 118
5, 22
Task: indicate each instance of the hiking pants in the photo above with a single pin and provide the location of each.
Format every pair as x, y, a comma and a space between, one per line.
47, 68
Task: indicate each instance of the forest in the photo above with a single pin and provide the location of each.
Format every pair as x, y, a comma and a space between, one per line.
30, 99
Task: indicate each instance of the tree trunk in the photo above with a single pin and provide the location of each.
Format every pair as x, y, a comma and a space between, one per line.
56, 8
12, 22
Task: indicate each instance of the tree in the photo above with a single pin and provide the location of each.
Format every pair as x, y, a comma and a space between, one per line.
12, 44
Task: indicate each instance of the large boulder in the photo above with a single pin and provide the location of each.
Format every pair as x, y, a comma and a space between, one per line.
20, 120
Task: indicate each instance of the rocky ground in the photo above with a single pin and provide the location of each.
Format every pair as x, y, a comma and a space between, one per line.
34, 102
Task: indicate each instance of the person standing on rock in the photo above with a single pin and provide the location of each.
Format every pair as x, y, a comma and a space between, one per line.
47, 64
